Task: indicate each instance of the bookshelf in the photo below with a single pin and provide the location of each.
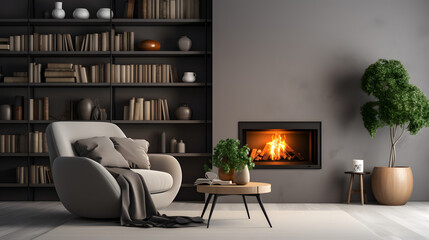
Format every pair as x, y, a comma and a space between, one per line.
197, 132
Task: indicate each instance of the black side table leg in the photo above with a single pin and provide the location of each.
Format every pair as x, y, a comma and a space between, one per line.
245, 204
258, 196
211, 210
207, 203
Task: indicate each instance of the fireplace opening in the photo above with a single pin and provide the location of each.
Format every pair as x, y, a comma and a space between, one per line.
282, 144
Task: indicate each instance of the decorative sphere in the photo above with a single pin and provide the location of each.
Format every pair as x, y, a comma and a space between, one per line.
81, 13
149, 45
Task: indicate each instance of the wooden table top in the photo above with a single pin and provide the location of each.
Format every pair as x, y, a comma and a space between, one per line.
250, 188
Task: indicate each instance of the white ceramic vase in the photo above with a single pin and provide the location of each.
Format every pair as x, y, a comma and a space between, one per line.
81, 13
189, 77
242, 177
104, 13
58, 12
184, 43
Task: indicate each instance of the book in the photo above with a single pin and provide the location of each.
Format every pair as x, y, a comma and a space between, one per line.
15, 79
53, 73
60, 66
60, 80
45, 108
131, 109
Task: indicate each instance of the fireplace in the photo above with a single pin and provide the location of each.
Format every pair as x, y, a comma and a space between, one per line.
279, 145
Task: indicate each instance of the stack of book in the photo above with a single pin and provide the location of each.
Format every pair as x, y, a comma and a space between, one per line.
139, 109
162, 9
63, 42
38, 142
123, 41
144, 73
17, 77
38, 109
93, 42
35, 70
4, 44
13, 143
60, 73
22, 175
40, 174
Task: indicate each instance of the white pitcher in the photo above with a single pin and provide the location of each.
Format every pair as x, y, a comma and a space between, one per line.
189, 77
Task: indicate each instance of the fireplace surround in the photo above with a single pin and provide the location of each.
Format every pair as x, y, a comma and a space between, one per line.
282, 145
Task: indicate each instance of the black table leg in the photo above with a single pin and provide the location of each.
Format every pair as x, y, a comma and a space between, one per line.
207, 203
211, 210
258, 196
245, 204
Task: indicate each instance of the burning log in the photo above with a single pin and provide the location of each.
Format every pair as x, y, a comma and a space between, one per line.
277, 149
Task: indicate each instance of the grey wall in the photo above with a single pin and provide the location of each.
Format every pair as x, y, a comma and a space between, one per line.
301, 60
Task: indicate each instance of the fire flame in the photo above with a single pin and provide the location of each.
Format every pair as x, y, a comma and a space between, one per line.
277, 146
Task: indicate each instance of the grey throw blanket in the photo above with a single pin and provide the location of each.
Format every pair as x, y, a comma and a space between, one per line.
138, 209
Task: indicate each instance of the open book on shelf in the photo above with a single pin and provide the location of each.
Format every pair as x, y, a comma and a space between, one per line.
211, 179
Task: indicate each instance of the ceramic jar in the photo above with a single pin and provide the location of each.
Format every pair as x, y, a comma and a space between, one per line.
189, 77
84, 109
104, 13
242, 177
173, 145
184, 43
183, 112
181, 147
58, 12
149, 45
5, 112
81, 13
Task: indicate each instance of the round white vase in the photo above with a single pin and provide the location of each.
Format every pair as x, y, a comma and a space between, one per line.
184, 43
242, 177
189, 77
58, 12
104, 13
81, 13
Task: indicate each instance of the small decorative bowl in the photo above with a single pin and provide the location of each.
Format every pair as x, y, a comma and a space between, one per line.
149, 45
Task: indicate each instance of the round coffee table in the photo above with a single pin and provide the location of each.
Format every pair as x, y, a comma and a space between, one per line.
251, 189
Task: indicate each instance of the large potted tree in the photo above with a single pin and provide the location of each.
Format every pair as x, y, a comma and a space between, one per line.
401, 106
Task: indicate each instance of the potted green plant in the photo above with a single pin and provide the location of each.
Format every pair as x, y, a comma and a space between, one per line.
401, 106
230, 158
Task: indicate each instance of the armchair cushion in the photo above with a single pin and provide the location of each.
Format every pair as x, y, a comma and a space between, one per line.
156, 181
101, 150
135, 152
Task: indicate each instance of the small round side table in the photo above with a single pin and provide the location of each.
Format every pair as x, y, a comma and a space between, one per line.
361, 190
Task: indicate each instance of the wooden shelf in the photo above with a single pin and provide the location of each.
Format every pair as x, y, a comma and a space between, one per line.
38, 154
13, 84
13, 121
71, 54
159, 22
7, 53
160, 121
42, 185
13, 22
161, 85
40, 85
159, 53
13, 154
9, 185
69, 22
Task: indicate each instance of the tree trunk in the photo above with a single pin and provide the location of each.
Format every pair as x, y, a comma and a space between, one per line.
394, 141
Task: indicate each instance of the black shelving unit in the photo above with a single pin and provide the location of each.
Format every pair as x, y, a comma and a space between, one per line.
197, 133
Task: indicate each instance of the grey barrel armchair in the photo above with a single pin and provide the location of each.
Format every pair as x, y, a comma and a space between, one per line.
86, 188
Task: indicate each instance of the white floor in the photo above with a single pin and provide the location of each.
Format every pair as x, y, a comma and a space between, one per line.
49, 220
